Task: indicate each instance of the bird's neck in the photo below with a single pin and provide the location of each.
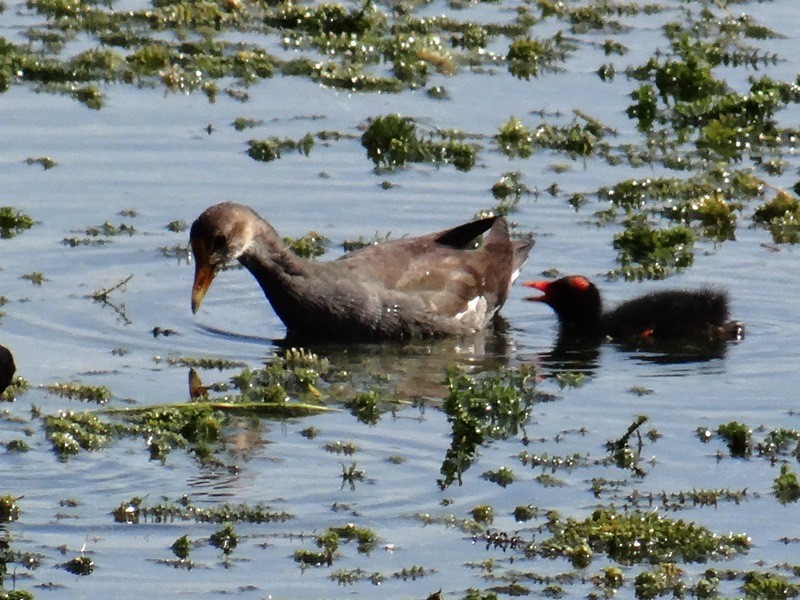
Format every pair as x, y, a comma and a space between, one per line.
585, 322
279, 271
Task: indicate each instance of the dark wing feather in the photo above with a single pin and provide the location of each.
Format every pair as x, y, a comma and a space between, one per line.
461, 236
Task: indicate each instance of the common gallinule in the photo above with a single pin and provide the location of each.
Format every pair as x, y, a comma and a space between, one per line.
666, 315
7, 368
427, 286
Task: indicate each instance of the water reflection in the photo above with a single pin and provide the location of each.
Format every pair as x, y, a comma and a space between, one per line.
417, 367
581, 355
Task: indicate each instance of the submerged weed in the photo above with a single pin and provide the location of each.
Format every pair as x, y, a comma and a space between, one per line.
645, 252
738, 437
9, 509
781, 216
224, 539
496, 406
638, 537
17, 387
80, 565
392, 141
45, 162
502, 476
786, 487
515, 139
75, 391
13, 222
270, 149
311, 245
137, 510
181, 547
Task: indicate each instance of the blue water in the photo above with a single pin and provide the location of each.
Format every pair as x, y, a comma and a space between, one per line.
150, 152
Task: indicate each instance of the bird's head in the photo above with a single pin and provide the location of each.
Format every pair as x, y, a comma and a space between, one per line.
220, 235
574, 298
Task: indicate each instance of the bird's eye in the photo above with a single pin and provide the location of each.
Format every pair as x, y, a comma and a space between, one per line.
218, 244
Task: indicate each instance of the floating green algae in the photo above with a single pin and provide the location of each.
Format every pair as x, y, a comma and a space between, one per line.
639, 537
479, 410
139, 510
77, 391
786, 487
9, 509
224, 539
392, 141
13, 222
270, 149
738, 437
311, 245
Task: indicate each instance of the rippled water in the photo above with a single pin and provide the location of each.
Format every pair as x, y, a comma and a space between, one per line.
152, 153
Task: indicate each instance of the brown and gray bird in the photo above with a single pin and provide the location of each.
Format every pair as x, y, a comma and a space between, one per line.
429, 286
7, 368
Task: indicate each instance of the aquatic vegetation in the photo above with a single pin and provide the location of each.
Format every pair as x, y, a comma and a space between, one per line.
181, 547
645, 252
738, 437
638, 537
781, 216
75, 391
9, 509
569, 379
18, 386
204, 362
392, 141
13, 221
17, 446
108, 229
509, 185
786, 488
685, 499
689, 117
351, 475
80, 565
45, 162
502, 476
768, 586
660, 581
271, 149
526, 513
177, 226
483, 513
575, 140
515, 139
311, 245
70, 432
136, 510
528, 57
101, 296
623, 454
224, 539
312, 558
191, 426
553, 462
36, 278
242, 123
479, 410
338, 447
364, 407
365, 538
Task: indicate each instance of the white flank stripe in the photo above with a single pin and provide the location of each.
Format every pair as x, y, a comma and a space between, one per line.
475, 312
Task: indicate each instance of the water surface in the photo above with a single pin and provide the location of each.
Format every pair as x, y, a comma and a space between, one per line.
151, 152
